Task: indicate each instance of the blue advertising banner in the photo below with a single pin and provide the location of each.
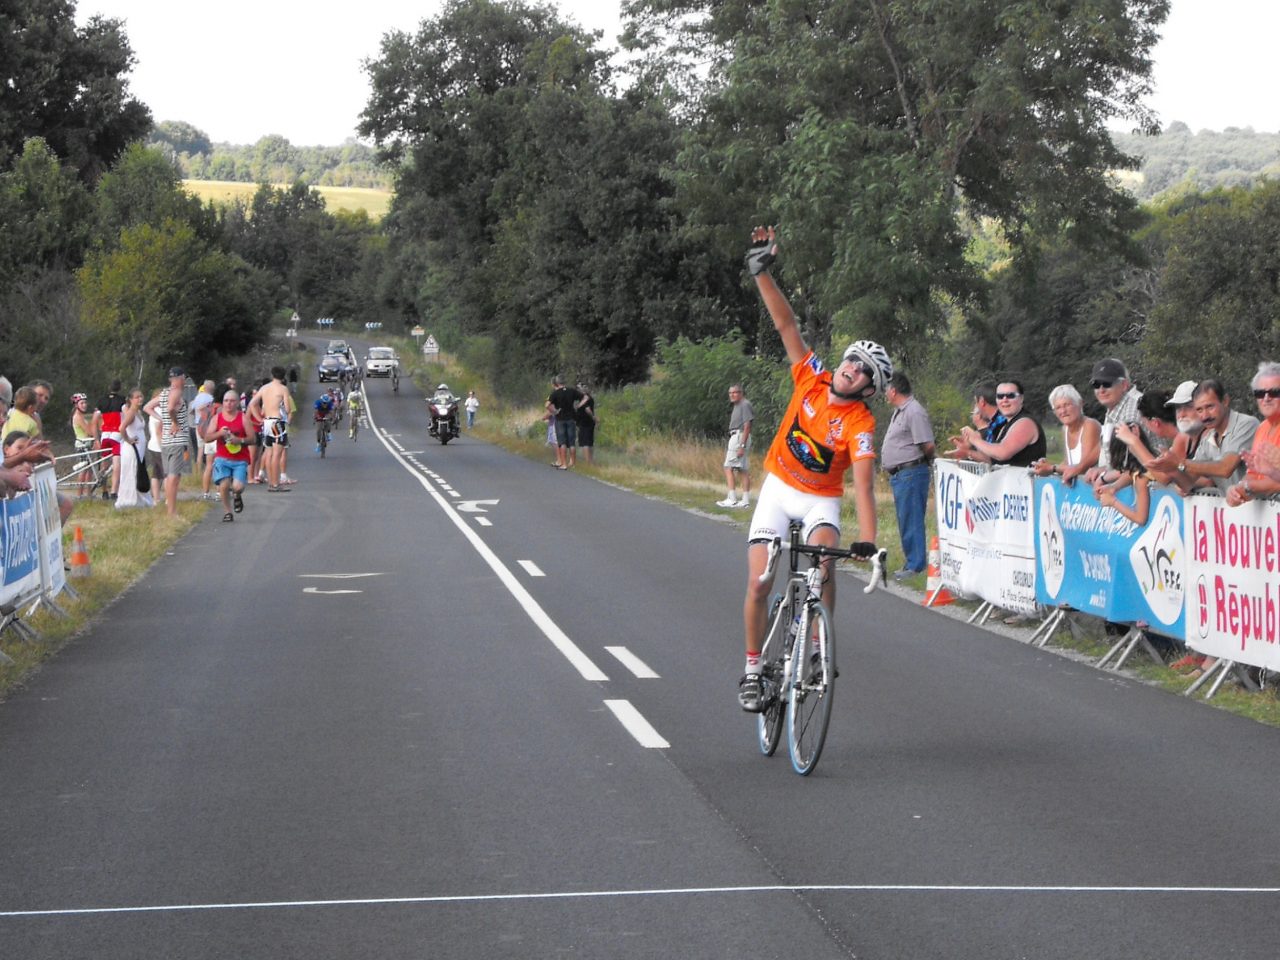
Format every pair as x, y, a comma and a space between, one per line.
19, 546
1091, 558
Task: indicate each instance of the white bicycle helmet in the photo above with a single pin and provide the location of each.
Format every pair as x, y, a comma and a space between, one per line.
875, 357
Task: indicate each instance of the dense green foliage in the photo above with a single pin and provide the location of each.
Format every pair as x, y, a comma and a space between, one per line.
273, 159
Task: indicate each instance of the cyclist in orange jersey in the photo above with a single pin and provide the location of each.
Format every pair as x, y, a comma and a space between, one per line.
827, 428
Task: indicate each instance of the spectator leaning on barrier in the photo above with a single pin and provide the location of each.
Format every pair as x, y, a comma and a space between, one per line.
1263, 476
905, 455
1111, 387
1158, 416
1226, 435
1017, 439
1081, 436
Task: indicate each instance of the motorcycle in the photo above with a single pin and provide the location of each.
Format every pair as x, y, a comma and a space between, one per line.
444, 418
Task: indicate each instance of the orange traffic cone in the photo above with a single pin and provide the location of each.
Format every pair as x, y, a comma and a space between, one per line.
80, 566
935, 594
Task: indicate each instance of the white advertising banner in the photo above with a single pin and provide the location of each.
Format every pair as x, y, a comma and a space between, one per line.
53, 572
1233, 577
986, 534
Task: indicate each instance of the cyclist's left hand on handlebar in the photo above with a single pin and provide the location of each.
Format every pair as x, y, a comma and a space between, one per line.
863, 550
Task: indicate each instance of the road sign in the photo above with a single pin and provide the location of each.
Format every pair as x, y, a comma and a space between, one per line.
430, 347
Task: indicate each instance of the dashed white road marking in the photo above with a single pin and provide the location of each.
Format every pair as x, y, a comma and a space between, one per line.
559, 639
317, 590
637, 725
484, 521
633, 663
531, 568
337, 576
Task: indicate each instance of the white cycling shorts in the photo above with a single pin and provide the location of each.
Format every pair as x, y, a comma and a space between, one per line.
780, 503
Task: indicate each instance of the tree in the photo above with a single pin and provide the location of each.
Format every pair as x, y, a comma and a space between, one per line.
1219, 308
45, 212
66, 84
163, 295
180, 137
860, 126
144, 187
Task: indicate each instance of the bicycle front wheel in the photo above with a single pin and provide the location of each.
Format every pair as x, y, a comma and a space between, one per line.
809, 702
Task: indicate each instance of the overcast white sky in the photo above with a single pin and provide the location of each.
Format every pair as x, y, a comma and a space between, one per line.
242, 69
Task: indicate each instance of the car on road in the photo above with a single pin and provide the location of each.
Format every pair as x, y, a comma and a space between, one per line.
332, 367
380, 362
337, 346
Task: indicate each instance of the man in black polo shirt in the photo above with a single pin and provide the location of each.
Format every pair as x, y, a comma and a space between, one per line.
563, 406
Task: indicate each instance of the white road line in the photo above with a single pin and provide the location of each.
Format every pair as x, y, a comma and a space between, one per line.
633, 663
336, 576
636, 725
484, 521
531, 568
655, 892
570, 650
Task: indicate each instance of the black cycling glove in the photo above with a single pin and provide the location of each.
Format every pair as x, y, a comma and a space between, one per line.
760, 255
863, 550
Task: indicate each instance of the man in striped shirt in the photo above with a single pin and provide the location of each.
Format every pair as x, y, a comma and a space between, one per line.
175, 444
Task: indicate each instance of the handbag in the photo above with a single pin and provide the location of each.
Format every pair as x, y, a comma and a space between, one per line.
143, 483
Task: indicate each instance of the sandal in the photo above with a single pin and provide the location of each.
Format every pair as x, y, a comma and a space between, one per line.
238, 501
227, 518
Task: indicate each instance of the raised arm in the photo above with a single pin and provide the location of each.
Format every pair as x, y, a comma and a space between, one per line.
764, 250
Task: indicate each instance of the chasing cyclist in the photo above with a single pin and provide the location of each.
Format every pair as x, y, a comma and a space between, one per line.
355, 406
826, 429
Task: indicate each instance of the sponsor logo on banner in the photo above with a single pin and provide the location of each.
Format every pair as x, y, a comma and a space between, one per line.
1053, 550
1159, 563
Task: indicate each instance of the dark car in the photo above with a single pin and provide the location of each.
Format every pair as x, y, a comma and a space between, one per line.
332, 367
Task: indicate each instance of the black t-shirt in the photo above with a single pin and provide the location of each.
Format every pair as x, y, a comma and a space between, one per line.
563, 399
586, 412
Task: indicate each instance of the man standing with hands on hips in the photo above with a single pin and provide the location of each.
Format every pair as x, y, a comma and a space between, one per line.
735, 454
905, 455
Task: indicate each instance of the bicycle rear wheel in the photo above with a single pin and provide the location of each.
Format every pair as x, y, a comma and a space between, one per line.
770, 722
809, 701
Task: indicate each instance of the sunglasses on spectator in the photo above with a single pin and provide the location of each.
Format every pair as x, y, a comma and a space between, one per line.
1102, 384
1272, 392
1008, 396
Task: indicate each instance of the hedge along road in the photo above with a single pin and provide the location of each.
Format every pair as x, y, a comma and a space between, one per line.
352, 723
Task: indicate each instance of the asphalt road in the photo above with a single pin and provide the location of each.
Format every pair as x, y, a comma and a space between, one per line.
382, 716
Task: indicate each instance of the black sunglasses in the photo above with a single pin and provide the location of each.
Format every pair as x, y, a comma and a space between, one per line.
1272, 392
1008, 396
1102, 384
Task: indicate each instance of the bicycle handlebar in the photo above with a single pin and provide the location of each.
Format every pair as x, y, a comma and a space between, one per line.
855, 551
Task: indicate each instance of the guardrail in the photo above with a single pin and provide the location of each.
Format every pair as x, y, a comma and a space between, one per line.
32, 567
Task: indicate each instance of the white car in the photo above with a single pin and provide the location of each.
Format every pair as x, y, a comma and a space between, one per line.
380, 362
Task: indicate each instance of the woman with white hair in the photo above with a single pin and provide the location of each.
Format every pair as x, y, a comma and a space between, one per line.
1081, 436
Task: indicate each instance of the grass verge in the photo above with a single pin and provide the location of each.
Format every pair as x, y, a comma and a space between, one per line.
122, 545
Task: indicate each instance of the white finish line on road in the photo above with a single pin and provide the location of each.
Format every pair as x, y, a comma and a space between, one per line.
655, 892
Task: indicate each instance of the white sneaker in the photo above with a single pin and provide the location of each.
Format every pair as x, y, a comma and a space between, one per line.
727, 502
742, 503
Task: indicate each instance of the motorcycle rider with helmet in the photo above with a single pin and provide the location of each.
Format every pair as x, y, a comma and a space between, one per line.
443, 397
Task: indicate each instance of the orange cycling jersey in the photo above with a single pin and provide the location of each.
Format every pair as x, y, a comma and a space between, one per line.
817, 441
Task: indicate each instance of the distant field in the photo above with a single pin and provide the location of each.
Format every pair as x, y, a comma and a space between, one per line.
375, 202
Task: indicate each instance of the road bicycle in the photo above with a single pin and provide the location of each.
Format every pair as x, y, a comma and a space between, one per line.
90, 472
395, 379
798, 656
357, 421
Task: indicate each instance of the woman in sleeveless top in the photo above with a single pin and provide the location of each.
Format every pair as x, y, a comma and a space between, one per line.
1081, 436
1017, 442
